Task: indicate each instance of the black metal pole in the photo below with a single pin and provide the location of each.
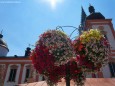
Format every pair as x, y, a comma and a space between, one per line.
68, 74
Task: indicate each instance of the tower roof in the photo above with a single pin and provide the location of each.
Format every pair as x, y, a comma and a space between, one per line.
3, 43
93, 14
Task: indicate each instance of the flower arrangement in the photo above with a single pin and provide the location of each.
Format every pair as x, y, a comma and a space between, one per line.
55, 75
92, 49
52, 51
59, 45
41, 58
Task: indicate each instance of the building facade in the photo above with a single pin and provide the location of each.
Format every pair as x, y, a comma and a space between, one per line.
18, 69
97, 21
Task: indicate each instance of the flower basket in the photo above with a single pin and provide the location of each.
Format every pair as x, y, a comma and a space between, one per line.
53, 50
93, 50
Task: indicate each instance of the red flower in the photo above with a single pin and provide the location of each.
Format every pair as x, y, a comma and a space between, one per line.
80, 47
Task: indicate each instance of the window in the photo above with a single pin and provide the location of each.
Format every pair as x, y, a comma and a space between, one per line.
112, 69
12, 75
105, 36
101, 28
27, 74
43, 78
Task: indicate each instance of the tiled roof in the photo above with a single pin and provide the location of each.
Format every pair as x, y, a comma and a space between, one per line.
96, 15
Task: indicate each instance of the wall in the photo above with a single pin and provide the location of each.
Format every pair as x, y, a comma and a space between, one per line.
109, 33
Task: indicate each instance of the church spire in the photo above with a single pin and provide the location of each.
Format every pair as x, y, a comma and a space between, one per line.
83, 15
83, 18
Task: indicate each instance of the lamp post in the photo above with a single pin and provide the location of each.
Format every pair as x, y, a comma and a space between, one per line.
68, 64
67, 74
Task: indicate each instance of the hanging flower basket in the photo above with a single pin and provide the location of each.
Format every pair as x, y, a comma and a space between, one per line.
58, 44
52, 51
93, 50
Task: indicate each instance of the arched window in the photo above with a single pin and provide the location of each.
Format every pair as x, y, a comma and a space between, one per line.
101, 28
41, 77
112, 69
12, 75
27, 75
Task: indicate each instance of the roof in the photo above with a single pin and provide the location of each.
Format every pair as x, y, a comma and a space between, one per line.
93, 14
3, 43
96, 15
89, 82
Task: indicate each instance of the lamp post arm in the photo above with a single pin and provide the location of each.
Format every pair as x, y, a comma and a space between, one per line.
61, 27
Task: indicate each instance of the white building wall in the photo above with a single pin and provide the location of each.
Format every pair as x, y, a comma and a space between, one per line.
24, 73
109, 34
6, 83
40, 77
106, 70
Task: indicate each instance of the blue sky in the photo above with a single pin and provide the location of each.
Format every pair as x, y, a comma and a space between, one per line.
23, 21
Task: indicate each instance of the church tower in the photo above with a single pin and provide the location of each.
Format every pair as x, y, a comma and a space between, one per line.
3, 47
97, 21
